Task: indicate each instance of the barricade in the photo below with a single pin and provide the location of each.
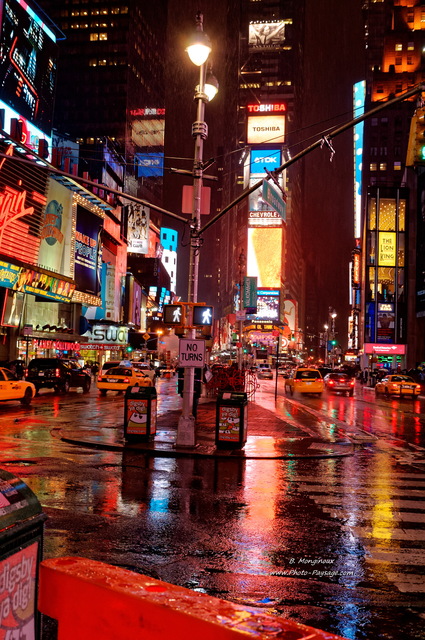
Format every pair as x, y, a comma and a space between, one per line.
90, 600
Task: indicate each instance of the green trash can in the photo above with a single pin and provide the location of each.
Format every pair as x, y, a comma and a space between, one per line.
21, 548
140, 414
231, 420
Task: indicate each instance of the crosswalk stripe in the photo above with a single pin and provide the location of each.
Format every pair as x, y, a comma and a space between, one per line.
401, 556
368, 501
384, 482
390, 518
411, 583
384, 532
376, 491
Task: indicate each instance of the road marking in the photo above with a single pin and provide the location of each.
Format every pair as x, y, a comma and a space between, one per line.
402, 556
386, 532
386, 517
376, 491
368, 501
411, 583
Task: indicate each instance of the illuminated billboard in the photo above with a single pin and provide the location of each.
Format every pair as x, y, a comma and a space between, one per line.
264, 159
28, 64
266, 35
30, 134
268, 302
22, 200
265, 255
359, 104
56, 230
147, 127
138, 228
88, 252
269, 129
149, 165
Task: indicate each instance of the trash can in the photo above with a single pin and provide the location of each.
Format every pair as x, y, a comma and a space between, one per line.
231, 420
21, 547
140, 414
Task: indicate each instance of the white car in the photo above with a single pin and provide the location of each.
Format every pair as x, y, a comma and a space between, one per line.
145, 368
264, 371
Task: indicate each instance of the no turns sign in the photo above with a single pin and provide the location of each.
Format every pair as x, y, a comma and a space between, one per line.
191, 353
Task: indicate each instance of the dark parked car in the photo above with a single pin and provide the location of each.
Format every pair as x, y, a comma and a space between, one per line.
56, 373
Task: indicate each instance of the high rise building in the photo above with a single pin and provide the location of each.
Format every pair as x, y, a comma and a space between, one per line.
392, 308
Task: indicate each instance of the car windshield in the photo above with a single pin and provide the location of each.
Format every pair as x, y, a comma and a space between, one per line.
338, 376
402, 379
307, 375
120, 371
46, 363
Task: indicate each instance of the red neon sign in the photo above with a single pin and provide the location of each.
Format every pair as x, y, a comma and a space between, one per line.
266, 108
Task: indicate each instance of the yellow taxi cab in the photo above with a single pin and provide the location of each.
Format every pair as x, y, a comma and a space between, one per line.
305, 380
120, 378
398, 385
13, 389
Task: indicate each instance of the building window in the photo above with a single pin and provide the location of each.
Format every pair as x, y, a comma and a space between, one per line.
374, 122
380, 89
103, 36
387, 214
409, 59
410, 46
94, 36
397, 166
398, 61
373, 166
399, 47
372, 214
382, 166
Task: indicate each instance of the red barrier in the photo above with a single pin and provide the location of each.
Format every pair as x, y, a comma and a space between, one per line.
92, 600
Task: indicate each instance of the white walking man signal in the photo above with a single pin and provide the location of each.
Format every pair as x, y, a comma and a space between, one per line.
177, 314
206, 316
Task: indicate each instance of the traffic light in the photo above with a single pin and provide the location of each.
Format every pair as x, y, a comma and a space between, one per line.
416, 146
129, 349
202, 315
333, 343
174, 314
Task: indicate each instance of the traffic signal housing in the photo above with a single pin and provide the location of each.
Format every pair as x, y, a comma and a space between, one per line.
416, 146
202, 315
174, 315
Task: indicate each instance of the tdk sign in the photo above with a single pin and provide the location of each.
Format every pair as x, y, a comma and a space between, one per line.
261, 158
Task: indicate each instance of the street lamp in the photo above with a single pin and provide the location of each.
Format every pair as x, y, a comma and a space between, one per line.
326, 328
198, 50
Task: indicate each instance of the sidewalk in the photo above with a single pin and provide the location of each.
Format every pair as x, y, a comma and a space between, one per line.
269, 435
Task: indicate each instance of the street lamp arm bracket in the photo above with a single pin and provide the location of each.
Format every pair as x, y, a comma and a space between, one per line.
200, 128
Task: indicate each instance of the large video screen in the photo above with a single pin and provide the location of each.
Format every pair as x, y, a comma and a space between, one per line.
28, 64
265, 256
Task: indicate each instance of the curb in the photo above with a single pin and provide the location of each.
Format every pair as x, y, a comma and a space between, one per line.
201, 451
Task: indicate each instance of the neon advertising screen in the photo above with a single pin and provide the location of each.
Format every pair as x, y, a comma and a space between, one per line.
28, 64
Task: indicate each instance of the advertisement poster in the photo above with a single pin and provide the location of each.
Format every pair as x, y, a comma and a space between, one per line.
17, 594
229, 420
266, 35
55, 247
137, 416
138, 228
88, 252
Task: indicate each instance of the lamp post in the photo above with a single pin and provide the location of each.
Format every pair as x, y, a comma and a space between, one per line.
198, 50
242, 267
332, 315
326, 328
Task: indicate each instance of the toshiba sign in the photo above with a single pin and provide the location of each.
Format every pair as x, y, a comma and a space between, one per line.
268, 129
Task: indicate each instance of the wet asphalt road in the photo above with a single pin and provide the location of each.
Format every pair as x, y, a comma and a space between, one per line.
336, 543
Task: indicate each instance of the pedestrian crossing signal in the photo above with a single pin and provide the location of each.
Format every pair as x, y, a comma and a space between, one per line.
174, 314
202, 315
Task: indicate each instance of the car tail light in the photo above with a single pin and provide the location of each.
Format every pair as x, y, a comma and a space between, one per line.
127, 380
352, 382
99, 378
418, 387
57, 373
